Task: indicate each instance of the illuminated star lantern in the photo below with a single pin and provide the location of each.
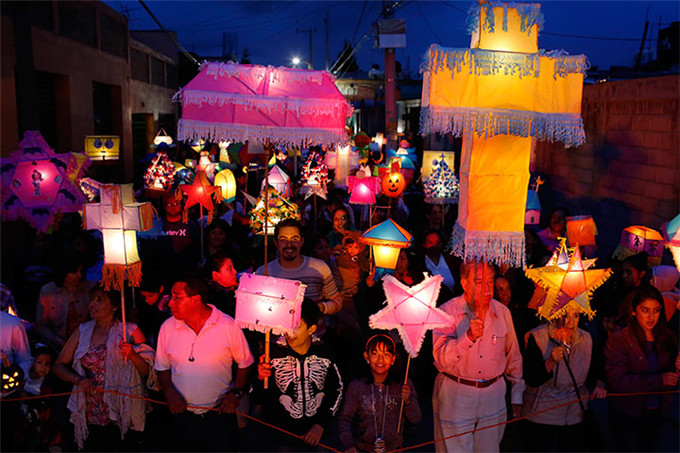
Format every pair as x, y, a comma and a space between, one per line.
386, 239
569, 282
160, 175
411, 310
119, 217
279, 180
638, 238
279, 208
269, 303
501, 95
671, 235
314, 176
36, 184
201, 192
363, 187
441, 187
581, 230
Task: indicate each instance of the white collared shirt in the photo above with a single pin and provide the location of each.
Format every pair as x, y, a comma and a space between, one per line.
203, 380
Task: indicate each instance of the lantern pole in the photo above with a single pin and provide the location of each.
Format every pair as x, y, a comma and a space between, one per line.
200, 221
267, 335
314, 222
401, 408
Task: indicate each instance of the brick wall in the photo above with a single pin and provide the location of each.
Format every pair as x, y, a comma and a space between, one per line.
628, 172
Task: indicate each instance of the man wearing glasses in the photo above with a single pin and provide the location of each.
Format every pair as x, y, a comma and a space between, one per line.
313, 272
196, 351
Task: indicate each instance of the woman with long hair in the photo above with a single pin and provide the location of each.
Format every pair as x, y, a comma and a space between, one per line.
642, 357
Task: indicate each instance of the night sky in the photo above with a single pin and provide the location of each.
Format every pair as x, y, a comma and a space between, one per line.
608, 32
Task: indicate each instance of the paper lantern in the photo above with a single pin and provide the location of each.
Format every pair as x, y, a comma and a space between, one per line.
581, 230
363, 187
569, 282
498, 95
386, 239
441, 187
671, 235
411, 310
532, 216
202, 193
160, 173
393, 183
197, 145
431, 160
314, 176
102, 147
162, 137
119, 217
227, 183
279, 208
36, 184
280, 181
636, 239
12, 378
269, 303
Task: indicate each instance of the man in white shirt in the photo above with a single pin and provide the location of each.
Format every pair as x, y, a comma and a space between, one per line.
472, 356
196, 350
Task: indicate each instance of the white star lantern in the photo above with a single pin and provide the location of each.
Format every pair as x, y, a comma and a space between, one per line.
411, 310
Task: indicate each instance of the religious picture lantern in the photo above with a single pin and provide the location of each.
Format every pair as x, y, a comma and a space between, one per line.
314, 176
386, 239
671, 235
432, 159
500, 95
227, 183
160, 175
363, 187
119, 218
581, 230
441, 187
638, 238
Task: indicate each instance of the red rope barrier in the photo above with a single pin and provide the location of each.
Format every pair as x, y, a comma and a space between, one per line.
665, 392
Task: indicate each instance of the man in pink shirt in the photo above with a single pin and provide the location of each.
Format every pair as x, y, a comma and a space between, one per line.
472, 356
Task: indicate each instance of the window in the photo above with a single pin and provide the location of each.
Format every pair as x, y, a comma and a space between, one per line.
77, 22
113, 36
139, 65
157, 72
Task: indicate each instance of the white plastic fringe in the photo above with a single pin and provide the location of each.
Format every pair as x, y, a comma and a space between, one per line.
491, 246
262, 328
229, 69
268, 104
286, 136
564, 127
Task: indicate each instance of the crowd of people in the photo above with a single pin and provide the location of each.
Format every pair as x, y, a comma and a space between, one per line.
179, 374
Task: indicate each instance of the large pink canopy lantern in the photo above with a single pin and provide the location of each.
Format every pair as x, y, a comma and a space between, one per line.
228, 101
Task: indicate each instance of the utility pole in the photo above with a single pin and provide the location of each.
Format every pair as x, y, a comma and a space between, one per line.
390, 85
325, 21
310, 62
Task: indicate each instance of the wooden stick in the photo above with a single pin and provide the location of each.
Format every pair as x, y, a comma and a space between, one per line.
267, 337
401, 408
266, 207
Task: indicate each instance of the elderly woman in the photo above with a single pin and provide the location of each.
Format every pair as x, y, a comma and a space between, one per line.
642, 357
100, 361
557, 359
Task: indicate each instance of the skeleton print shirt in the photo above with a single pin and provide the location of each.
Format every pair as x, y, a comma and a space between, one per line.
304, 389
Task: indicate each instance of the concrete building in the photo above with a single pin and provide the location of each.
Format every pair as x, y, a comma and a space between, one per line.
73, 68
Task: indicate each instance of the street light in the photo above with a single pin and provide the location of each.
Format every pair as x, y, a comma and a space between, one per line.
297, 61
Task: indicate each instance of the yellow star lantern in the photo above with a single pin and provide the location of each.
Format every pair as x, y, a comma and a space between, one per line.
569, 282
201, 192
500, 95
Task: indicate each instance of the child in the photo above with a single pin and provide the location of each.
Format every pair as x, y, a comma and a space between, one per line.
37, 430
305, 387
376, 400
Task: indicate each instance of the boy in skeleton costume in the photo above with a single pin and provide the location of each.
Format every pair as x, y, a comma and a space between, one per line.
307, 386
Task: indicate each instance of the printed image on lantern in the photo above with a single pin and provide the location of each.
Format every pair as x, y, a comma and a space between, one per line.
569, 282
671, 235
581, 230
227, 183
202, 193
37, 185
393, 183
638, 238
119, 217
279, 208
500, 95
280, 181
102, 147
160, 175
363, 187
441, 187
268, 303
314, 176
386, 239
431, 160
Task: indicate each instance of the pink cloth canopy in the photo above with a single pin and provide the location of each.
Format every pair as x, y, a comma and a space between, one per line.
228, 101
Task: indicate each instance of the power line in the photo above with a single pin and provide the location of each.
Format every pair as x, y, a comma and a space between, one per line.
172, 38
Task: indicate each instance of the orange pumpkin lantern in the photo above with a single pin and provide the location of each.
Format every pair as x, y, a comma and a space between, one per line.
393, 184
